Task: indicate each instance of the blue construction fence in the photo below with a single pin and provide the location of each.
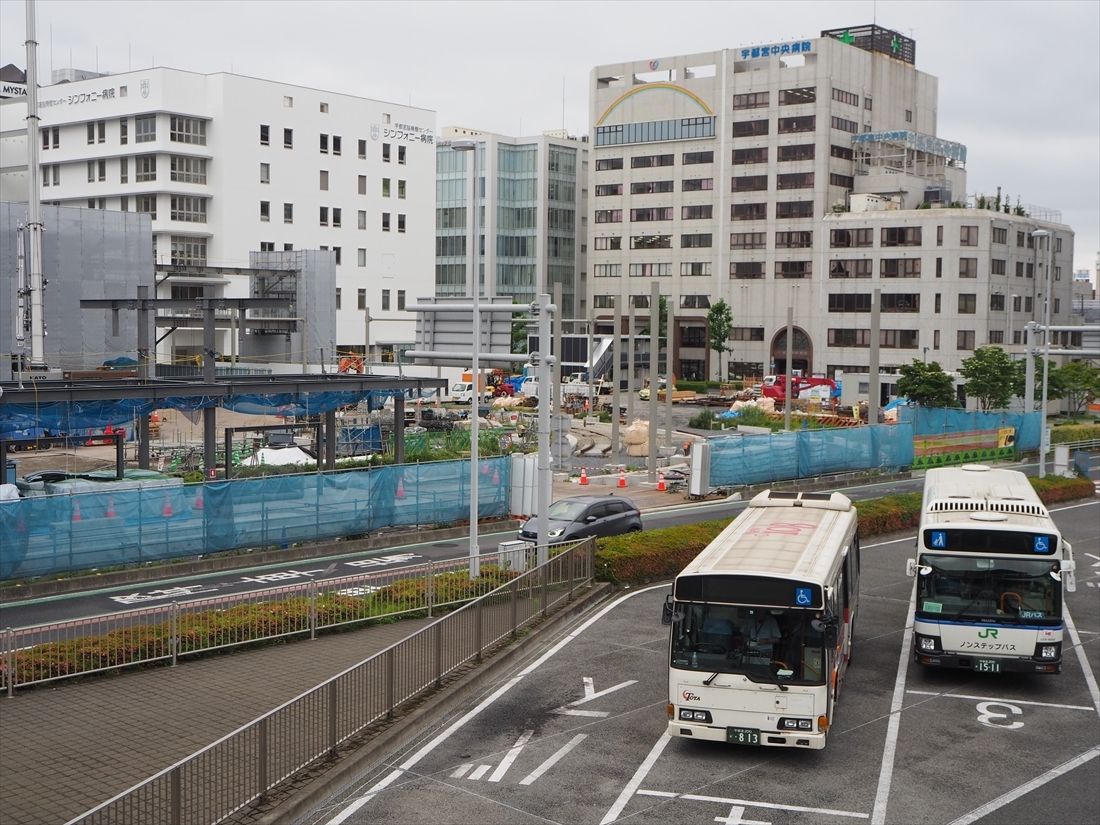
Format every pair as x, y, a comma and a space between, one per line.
759, 459
46, 535
941, 421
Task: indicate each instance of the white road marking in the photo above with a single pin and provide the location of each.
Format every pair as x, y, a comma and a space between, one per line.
636, 780
1028, 787
750, 803
462, 770
889, 748
479, 772
589, 695
995, 699
510, 757
734, 817
595, 714
1093, 556
1082, 659
553, 760
459, 723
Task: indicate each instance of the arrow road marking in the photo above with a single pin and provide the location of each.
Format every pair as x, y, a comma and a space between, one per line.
590, 694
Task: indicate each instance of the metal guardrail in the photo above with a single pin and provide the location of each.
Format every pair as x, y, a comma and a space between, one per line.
63, 650
212, 784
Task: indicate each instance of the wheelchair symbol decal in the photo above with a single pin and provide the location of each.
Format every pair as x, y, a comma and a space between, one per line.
1042, 544
803, 596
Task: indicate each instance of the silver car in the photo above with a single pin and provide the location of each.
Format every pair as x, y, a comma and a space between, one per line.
579, 517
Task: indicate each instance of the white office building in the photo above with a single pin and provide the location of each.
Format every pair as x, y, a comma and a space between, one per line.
806, 174
227, 165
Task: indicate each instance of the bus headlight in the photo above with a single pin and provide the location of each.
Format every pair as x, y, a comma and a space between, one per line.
690, 715
1049, 651
928, 644
791, 723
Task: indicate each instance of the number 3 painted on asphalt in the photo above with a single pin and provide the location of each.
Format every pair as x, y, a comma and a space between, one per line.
987, 716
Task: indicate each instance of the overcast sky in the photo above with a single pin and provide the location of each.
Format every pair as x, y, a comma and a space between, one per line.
1019, 81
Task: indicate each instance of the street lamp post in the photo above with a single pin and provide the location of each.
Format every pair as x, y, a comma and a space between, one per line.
474, 279
1044, 437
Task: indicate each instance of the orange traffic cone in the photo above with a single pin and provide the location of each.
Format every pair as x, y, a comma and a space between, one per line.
76, 512
584, 476
166, 510
661, 487
400, 487
622, 479
111, 507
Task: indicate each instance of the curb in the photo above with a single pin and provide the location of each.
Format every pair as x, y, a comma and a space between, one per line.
407, 727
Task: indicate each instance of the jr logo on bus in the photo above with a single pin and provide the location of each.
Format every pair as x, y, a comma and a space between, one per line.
988, 633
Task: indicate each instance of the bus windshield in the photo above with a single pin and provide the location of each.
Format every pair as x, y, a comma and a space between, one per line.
1008, 590
764, 644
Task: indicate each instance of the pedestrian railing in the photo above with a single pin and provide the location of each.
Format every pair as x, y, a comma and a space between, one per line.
228, 775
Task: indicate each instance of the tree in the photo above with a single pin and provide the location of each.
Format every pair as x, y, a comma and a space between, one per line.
1079, 382
926, 384
519, 333
1054, 384
990, 375
719, 327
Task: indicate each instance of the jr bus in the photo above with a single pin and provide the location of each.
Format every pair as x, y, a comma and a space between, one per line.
990, 570
762, 624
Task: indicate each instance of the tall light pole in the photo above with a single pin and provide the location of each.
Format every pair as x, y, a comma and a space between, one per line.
1044, 436
474, 280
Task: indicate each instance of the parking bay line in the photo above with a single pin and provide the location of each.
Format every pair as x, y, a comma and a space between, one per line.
996, 699
751, 804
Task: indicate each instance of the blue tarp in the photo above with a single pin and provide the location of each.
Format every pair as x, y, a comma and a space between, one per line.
939, 421
757, 459
47, 535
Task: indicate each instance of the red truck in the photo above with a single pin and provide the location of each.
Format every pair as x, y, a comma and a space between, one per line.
775, 386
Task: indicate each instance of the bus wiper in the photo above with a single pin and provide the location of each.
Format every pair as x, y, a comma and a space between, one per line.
962, 610
710, 679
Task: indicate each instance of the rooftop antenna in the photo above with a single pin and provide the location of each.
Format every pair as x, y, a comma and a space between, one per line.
130, 56
35, 280
563, 104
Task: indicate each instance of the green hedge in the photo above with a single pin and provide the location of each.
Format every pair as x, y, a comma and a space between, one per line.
659, 555
1062, 433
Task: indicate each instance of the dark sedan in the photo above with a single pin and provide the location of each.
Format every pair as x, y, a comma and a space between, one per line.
579, 517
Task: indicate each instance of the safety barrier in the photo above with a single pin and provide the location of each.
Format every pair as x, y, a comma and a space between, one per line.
226, 776
45, 535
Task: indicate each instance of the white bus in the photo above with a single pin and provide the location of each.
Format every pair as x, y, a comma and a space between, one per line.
762, 624
990, 570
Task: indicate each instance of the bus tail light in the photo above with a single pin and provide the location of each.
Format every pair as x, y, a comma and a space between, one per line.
822, 724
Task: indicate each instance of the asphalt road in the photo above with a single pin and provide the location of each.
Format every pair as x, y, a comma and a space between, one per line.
575, 734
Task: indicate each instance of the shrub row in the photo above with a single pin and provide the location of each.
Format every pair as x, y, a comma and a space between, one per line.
1063, 433
656, 555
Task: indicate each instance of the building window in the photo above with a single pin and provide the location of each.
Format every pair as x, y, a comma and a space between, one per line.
756, 155
361, 257
324, 216
801, 151
385, 299
850, 268
844, 125
794, 209
965, 339
187, 130
997, 302
607, 270
901, 236
999, 235
267, 246
401, 190
997, 266
842, 96
145, 168
792, 125
288, 138
288, 213
692, 158
697, 184
695, 268
609, 216
324, 108
850, 302
699, 241
843, 181
385, 187
743, 270
188, 251
909, 119
337, 145
698, 212
648, 187
694, 302
362, 299
650, 242
750, 128
401, 299
607, 243
337, 217
794, 240
939, 267
752, 100
796, 180
401, 154
339, 297
650, 270
124, 204
338, 253
749, 183
968, 236
608, 164
324, 144
900, 268
362, 218
145, 128
968, 303
793, 269
400, 222
651, 161
651, 213
749, 212
841, 152
747, 334
385, 221
748, 240
362, 150
146, 204
186, 169
265, 210
188, 209
385, 153
851, 238
91, 132
265, 135
968, 267
901, 302
265, 173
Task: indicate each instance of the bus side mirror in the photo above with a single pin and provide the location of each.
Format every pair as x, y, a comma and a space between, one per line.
666, 611
910, 567
1068, 576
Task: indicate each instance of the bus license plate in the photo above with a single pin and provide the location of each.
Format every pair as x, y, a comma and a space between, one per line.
987, 666
743, 736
